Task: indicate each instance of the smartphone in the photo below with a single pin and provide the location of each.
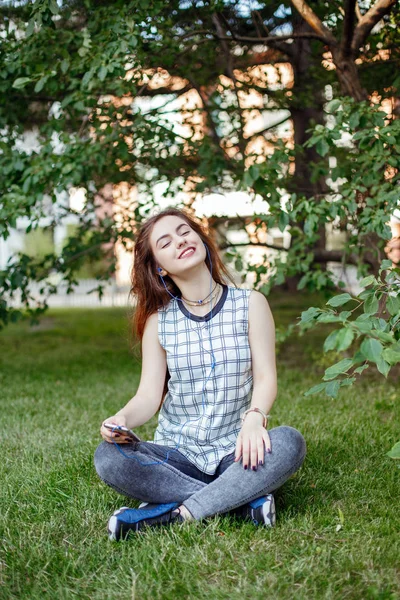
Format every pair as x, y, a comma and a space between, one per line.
124, 430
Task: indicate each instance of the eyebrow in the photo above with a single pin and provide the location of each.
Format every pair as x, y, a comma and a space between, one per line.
167, 234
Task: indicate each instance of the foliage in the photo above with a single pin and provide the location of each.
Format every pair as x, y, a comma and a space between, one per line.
80, 76
100, 87
370, 336
364, 147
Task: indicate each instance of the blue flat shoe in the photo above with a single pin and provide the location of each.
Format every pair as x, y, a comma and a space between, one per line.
261, 511
125, 520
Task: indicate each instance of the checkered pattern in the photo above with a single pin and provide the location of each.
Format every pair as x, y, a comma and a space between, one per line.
205, 425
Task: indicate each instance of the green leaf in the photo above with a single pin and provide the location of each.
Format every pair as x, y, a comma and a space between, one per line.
382, 366
384, 337
371, 349
67, 168
238, 264
254, 172
31, 26
393, 304
367, 280
102, 73
371, 305
339, 300
345, 314
361, 368
363, 323
328, 318
391, 356
354, 120
54, 7
333, 105
366, 294
394, 452
380, 324
338, 369
247, 180
344, 339
283, 221
64, 65
385, 264
40, 84
322, 147
330, 342
309, 314
27, 184
87, 77
21, 82
332, 388
315, 389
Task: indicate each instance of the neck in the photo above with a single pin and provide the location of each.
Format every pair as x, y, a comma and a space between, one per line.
197, 284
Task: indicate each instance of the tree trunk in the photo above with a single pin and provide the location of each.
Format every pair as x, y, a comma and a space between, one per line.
348, 77
306, 84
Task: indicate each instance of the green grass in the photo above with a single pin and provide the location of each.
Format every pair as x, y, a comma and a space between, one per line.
338, 517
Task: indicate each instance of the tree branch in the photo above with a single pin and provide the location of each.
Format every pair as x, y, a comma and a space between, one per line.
224, 245
278, 45
272, 38
319, 254
358, 12
348, 26
369, 20
314, 22
268, 128
146, 91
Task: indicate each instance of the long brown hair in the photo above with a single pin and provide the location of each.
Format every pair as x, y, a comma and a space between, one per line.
146, 284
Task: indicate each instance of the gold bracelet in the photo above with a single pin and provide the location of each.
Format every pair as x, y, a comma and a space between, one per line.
258, 410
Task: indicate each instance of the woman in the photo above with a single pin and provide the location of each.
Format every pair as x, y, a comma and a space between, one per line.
211, 452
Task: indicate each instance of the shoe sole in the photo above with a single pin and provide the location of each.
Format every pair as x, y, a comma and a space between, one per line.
269, 513
114, 525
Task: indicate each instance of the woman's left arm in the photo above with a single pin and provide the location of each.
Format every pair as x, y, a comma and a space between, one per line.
253, 437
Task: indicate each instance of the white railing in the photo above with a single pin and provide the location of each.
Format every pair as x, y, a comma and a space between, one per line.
113, 295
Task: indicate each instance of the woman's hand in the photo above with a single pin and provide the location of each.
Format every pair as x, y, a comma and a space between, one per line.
113, 436
251, 441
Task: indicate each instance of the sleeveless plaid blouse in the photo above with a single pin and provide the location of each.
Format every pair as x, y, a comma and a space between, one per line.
205, 426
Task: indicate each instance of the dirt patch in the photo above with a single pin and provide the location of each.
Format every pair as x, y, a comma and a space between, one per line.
45, 324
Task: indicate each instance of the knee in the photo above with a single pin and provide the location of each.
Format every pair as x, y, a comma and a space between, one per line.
293, 442
104, 461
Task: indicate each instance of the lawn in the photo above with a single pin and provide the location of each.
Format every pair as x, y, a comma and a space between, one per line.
337, 518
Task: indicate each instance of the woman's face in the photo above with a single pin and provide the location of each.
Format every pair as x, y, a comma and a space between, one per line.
176, 246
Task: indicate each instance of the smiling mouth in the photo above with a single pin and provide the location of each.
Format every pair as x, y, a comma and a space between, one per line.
187, 252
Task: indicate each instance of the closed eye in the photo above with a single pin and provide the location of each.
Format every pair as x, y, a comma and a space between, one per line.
168, 243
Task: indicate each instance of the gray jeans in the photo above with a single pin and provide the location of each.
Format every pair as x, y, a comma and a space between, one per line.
178, 480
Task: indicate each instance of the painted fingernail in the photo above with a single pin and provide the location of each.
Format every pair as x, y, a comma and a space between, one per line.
245, 467
269, 450
254, 468
260, 462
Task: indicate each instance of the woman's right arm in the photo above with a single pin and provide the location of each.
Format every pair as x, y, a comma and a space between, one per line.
147, 399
